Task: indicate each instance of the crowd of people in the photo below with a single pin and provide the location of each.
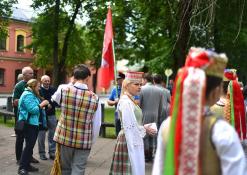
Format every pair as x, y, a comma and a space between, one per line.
197, 125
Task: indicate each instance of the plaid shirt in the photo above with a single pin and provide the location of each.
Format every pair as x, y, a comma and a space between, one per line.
78, 107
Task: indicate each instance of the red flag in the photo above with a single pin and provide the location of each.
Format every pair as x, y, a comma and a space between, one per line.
106, 71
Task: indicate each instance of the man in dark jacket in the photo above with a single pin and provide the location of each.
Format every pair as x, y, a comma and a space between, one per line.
46, 91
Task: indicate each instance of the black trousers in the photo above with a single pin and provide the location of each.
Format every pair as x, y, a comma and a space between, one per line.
30, 135
117, 126
19, 144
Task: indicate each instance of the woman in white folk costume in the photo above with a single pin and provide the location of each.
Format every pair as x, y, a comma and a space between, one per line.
128, 156
193, 140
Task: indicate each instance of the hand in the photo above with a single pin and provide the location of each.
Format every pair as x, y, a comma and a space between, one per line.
44, 103
15, 102
149, 130
49, 106
116, 101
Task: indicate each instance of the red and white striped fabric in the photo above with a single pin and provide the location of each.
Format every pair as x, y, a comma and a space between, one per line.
194, 87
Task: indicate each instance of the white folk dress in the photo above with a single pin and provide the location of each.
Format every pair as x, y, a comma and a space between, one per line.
128, 157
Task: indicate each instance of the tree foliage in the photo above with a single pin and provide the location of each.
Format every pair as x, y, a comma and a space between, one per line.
62, 32
43, 43
157, 31
5, 13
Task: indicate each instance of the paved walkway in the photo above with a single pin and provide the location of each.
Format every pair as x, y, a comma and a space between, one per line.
98, 163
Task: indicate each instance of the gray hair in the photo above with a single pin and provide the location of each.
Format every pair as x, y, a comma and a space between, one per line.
20, 77
44, 77
26, 69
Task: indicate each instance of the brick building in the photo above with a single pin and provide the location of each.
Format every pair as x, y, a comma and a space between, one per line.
13, 54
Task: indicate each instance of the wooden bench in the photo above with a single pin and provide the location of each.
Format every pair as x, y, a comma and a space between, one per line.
6, 115
104, 124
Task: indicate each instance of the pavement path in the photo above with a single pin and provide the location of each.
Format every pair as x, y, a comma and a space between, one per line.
99, 160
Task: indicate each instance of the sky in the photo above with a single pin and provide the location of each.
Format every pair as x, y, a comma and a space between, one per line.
24, 4
29, 12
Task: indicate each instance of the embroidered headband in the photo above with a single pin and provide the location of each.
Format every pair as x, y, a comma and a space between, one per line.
134, 76
211, 62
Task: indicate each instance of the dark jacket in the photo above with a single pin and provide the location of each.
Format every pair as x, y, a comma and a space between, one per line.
46, 94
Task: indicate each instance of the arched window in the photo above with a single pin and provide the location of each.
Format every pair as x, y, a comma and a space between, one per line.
2, 76
20, 43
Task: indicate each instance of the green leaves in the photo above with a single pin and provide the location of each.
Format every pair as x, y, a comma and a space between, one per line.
5, 13
157, 31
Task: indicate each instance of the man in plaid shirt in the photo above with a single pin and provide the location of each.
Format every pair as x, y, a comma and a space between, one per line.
79, 122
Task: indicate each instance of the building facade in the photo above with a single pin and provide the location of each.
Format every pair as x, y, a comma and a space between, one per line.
13, 54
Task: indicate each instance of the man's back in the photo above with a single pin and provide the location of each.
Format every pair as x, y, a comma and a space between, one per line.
78, 107
18, 89
151, 102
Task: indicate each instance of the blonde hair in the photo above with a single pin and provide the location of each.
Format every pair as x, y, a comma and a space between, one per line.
124, 86
31, 84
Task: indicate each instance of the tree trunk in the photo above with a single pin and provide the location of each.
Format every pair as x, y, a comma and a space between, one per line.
55, 45
180, 50
63, 73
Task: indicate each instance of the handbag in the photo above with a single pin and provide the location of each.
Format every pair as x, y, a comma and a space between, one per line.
42, 126
20, 124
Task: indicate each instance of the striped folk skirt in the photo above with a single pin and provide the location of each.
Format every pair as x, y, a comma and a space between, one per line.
120, 161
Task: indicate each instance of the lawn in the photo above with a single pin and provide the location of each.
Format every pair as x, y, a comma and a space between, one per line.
109, 117
9, 123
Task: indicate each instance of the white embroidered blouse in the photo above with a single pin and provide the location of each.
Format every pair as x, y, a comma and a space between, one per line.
131, 117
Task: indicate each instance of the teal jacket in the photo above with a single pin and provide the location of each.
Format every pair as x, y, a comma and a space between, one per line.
29, 103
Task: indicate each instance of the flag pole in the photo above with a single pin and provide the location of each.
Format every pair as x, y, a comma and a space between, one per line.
115, 69
114, 59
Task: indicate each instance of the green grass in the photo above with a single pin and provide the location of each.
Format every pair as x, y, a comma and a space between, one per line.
109, 117
9, 123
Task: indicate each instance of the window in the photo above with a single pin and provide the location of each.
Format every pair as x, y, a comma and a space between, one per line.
3, 43
20, 43
20, 40
2, 76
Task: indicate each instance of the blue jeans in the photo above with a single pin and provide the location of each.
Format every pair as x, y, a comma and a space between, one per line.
51, 124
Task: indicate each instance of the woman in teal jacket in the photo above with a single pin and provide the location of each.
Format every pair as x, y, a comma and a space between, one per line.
30, 105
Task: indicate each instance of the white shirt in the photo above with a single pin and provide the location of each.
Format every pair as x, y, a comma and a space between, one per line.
226, 142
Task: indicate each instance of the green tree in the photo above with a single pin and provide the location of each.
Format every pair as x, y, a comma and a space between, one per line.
157, 31
5, 13
43, 41
68, 29
231, 34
